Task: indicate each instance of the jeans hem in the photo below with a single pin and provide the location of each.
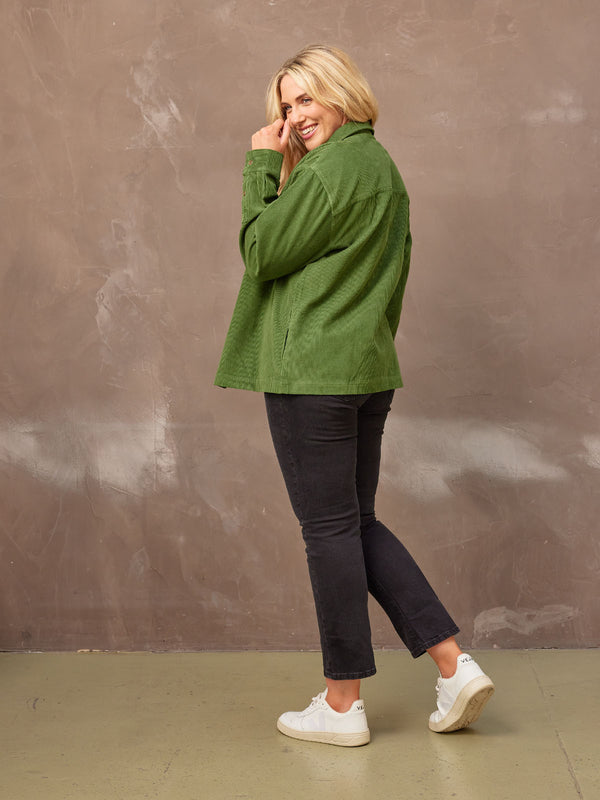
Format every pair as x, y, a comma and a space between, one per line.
424, 646
349, 676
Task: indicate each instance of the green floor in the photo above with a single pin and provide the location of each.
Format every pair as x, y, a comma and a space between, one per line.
202, 726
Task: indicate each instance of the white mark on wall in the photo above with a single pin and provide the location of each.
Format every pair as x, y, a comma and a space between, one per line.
139, 564
222, 602
122, 301
592, 451
524, 621
445, 120
162, 120
423, 457
134, 452
566, 110
224, 13
132, 458
128, 318
158, 110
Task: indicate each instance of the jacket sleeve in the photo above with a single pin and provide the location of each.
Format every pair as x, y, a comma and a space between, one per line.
282, 234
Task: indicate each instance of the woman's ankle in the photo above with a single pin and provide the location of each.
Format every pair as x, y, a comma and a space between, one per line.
341, 694
445, 655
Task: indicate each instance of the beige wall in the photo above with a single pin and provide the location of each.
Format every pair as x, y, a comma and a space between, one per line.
140, 506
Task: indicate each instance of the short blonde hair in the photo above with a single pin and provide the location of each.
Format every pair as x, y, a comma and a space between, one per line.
332, 79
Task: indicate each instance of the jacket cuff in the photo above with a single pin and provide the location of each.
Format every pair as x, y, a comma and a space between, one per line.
269, 160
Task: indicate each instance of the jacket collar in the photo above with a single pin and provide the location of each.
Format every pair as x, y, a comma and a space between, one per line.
349, 129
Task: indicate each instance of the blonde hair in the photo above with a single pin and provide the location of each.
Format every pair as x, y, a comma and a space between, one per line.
332, 79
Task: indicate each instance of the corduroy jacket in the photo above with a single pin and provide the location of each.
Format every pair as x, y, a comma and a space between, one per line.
326, 267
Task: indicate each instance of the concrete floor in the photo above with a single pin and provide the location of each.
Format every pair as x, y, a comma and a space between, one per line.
202, 727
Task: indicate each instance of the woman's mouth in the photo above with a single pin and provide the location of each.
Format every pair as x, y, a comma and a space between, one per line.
307, 132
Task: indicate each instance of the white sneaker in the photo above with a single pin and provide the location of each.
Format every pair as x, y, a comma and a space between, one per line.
320, 723
461, 698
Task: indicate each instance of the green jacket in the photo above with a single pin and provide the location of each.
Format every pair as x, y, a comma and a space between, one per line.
326, 266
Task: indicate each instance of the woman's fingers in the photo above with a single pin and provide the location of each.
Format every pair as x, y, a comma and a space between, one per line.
272, 137
284, 134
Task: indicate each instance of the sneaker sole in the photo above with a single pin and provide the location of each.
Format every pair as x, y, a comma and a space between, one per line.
325, 737
467, 706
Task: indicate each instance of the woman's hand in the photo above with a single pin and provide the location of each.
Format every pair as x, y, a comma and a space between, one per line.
272, 137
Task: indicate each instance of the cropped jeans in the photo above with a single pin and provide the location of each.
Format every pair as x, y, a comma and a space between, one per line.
328, 448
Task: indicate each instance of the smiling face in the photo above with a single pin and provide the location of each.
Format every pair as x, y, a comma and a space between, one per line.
313, 122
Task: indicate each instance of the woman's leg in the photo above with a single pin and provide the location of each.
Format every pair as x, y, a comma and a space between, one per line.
341, 694
394, 578
401, 588
315, 439
445, 654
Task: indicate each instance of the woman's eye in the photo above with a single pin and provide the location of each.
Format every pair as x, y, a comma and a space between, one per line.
305, 100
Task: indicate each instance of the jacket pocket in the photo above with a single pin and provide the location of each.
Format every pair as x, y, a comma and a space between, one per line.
285, 339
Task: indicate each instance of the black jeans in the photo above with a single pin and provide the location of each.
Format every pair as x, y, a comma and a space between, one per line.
328, 447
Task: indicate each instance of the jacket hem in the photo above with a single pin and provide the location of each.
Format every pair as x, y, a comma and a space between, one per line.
298, 387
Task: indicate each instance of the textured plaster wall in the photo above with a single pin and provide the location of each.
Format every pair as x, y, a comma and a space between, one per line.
140, 506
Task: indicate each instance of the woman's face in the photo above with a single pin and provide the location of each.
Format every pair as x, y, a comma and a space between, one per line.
312, 122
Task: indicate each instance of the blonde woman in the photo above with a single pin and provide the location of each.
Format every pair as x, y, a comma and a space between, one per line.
326, 242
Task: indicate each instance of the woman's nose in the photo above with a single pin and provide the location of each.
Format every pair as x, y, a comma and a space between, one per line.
296, 115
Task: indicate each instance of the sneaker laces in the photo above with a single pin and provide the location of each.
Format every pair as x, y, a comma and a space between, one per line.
316, 701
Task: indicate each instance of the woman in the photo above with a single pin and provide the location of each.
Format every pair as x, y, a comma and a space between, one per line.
326, 242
